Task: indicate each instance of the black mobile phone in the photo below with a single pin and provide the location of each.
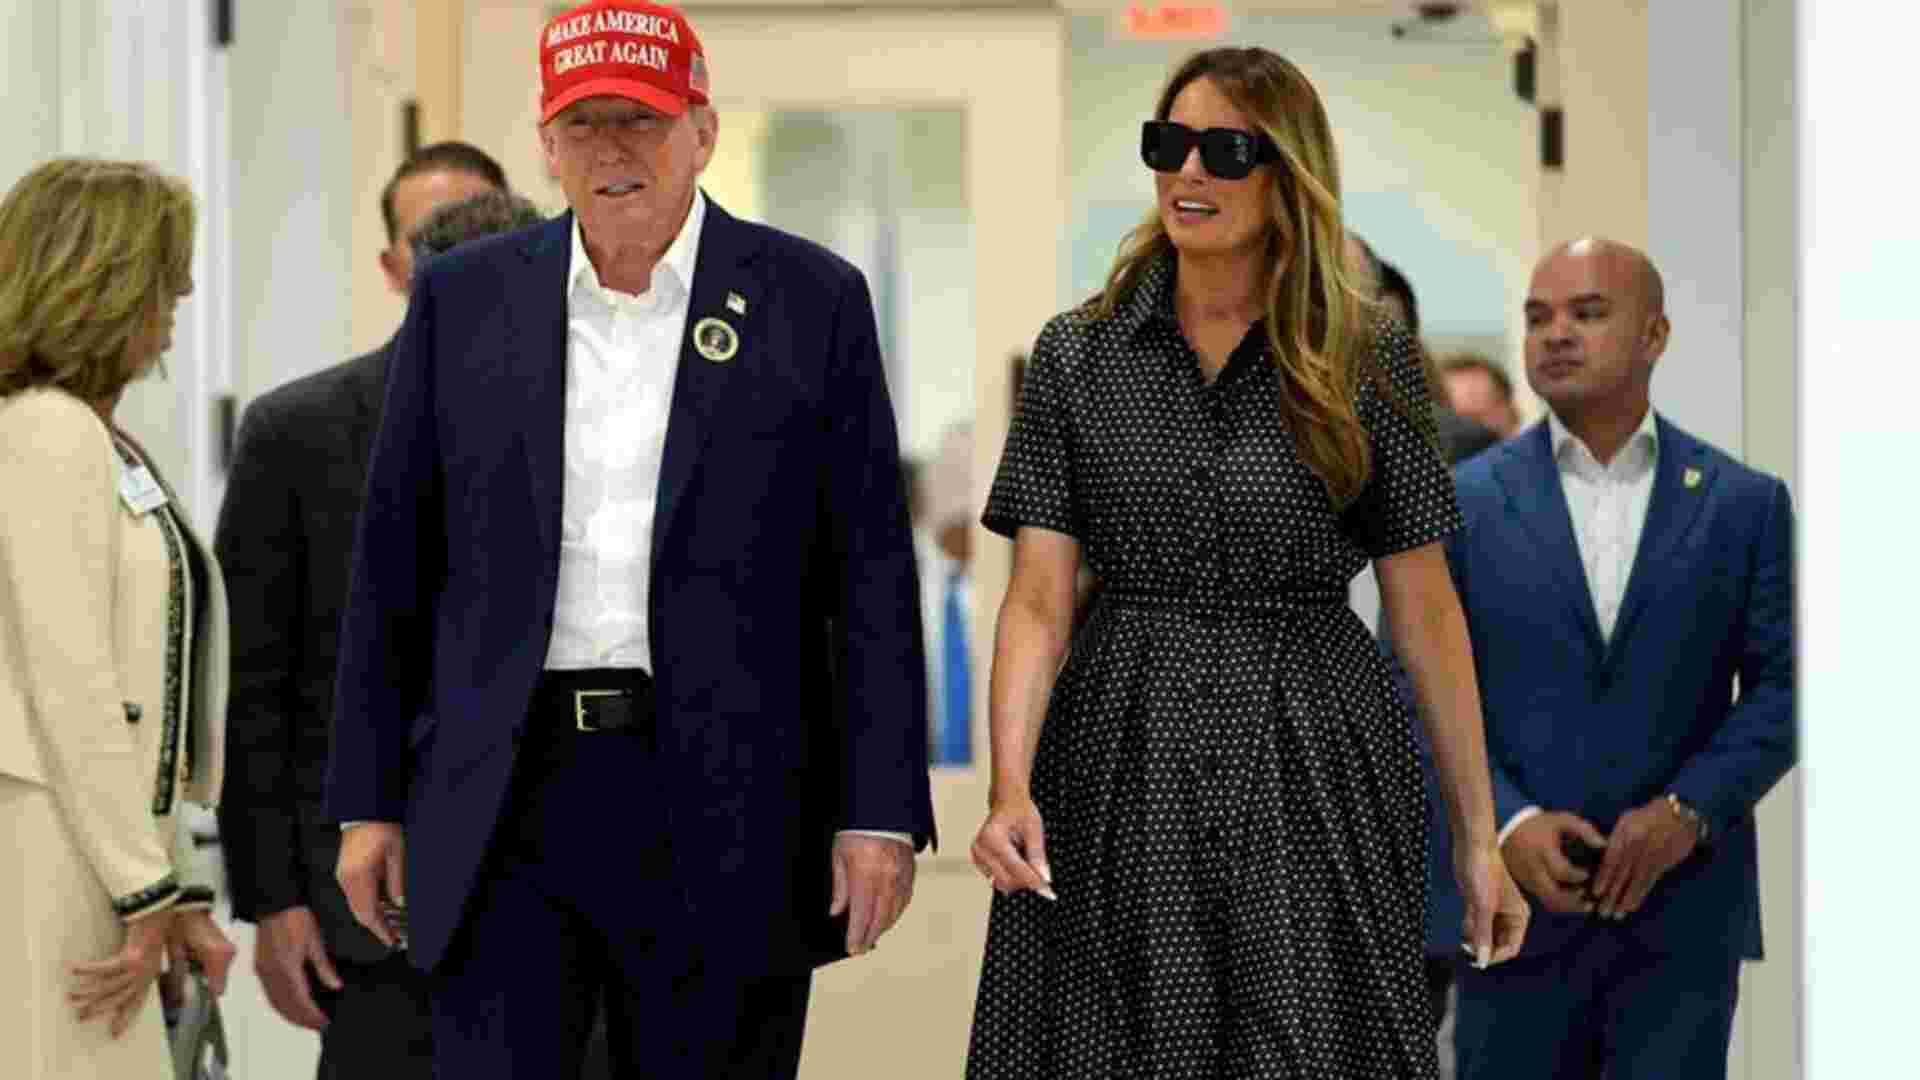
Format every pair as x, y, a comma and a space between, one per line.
1580, 853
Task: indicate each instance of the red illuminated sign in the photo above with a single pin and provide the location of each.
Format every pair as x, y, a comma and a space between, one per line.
1163, 21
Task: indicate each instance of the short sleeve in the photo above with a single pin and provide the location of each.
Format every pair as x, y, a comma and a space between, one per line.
1408, 499
1034, 484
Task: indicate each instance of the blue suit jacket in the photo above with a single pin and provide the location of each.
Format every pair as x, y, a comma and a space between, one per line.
1597, 727
784, 613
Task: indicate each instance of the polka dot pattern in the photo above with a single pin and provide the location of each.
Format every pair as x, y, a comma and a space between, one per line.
1234, 808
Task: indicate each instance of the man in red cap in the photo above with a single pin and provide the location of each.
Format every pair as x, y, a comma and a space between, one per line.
632, 695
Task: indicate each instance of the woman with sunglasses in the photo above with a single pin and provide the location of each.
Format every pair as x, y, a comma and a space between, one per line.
1207, 827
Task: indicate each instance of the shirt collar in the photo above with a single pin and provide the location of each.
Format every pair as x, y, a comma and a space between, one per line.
1647, 435
1152, 297
678, 262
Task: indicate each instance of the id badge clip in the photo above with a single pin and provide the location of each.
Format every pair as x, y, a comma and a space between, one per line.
140, 491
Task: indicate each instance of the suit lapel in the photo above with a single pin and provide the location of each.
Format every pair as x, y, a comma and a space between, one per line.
540, 329
1671, 512
1532, 484
725, 247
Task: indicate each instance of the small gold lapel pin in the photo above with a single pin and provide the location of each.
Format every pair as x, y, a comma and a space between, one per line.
1691, 478
736, 303
715, 340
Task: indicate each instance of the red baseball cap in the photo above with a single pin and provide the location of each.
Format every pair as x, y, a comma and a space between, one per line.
623, 48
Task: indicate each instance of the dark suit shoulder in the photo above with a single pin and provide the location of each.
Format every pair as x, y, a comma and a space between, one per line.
329, 392
1743, 478
1462, 438
1479, 473
494, 258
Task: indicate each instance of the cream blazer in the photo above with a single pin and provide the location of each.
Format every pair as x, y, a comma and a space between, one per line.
92, 646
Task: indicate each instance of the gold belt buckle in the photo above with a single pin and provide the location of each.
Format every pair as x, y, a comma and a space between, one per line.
580, 707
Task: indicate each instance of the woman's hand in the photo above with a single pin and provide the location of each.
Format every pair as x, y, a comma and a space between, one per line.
117, 986
1011, 848
1496, 918
198, 941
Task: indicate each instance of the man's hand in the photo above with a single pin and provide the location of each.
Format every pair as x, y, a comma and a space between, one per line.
1647, 842
1533, 857
196, 939
373, 860
873, 882
287, 945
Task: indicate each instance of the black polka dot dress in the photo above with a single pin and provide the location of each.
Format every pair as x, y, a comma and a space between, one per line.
1234, 809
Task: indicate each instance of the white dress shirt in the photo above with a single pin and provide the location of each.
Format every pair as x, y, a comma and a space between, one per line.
1608, 505
622, 354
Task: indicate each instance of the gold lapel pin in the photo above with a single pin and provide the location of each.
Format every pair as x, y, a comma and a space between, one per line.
736, 303
716, 340
1691, 478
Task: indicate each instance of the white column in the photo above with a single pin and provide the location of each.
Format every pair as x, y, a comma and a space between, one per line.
1767, 1037
1860, 377
1694, 186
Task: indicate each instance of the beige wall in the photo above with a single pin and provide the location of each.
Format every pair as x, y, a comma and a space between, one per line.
382, 63
1592, 64
1597, 53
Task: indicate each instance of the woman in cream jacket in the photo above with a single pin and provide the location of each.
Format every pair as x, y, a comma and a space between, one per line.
113, 649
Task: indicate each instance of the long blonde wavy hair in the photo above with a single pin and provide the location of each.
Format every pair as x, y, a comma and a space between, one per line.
88, 250
1317, 318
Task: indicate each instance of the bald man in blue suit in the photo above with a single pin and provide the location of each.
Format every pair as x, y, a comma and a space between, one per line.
1629, 593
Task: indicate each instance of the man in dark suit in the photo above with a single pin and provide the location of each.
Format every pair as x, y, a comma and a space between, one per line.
632, 688
1629, 593
284, 537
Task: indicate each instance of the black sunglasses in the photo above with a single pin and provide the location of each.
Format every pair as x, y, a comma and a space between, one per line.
1228, 153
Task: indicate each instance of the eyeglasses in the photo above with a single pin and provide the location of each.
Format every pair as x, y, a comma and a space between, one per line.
1228, 153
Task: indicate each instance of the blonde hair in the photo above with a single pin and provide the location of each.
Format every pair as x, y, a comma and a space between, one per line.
1317, 319
88, 250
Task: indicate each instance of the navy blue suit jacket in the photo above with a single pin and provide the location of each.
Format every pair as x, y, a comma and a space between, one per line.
784, 612
1597, 727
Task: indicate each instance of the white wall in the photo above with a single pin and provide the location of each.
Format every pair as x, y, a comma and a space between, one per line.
381, 77
123, 79
292, 200
1858, 383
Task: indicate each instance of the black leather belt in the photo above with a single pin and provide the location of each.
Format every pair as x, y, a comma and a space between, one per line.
591, 702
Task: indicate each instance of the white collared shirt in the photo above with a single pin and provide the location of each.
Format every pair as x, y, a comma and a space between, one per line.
1608, 505
622, 354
